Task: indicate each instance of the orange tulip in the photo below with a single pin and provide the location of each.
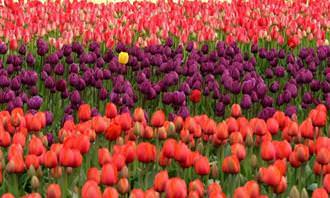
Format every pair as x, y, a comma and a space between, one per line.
283, 149
294, 160
270, 175
19, 138
231, 165
151, 193
84, 112
282, 186
94, 174
222, 131
181, 152
110, 192
326, 182
241, 192
66, 157
16, 164
176, 188
113, 131
5, 139
281, 165
252, 188
202, 166
7, 195
236, 110
91, 190
214, 188
306, 129
197, 186
125, 121
319, 118
323, 156
123, 185
302, 152
32, 160
99, 124
160, 181
146, 152
36, 146
273, 126
54, 191
268, 152
158, 118
320, 193
137, 193
238, 150
138, 115
110, 110
109, 174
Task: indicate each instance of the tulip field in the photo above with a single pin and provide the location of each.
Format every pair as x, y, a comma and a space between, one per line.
165, 99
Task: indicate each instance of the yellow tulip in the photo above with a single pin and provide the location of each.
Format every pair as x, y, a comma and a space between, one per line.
123, 58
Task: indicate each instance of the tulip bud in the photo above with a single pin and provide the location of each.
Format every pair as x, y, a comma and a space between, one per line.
254, 161
39, 172
200, 147
10, 168
123, 185
69, 170
56, 172
294, 193
171, 129
124, 172
138, 128
249, 140
120, 141
35, 182
304, 193
32, 171
214, 171
76, 190
162, 135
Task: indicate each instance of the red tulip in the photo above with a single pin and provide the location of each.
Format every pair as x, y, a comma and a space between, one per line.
94, 174
160, 181
176, 188
84, 112
109, 174
110, 110
202, 166
326, 182
54, 191
320, 193
146, 152
195, 96
231, 165
110, 192
268, 151
270, 176
91, 190
158, 119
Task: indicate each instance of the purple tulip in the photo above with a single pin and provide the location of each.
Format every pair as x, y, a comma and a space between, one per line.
35, 102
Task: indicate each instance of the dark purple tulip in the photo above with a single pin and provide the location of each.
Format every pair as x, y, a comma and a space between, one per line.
190, 46
4, 81
226, 99
33, 91
183, 112
254, 48
279, 71
169, 42
269, 73
220, 109
287, 96
50, 139
61, 85
49, 117
290, 110
30, 60
246, 102
275, 86
10, 106
52, 59
315, 85
205, 49
307, 98
292, 88
3, 48
281, 54
67, 50
267, 101
69, 60
325, 87
65, 94
235, 87
59, 69
261, 90
49, 82
95, 112
22, 50
47, 68
167, 98
18, 102
266, 113
75, 97
106, 74
35, 102
103, 93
